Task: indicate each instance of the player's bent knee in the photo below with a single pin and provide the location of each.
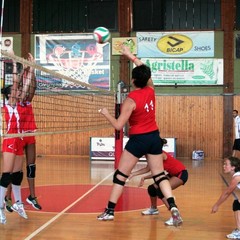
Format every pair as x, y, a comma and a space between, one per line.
17, 178
31, 170
152, 191
159, 178
5, 179
118, 181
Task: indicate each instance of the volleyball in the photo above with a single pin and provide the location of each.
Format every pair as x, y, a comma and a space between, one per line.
101, 34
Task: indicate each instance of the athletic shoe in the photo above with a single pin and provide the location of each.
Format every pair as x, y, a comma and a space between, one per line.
19, 208
235, 234
150, 211
107, 215
8, 204
3, 219
170, 222
33, 201
177, 220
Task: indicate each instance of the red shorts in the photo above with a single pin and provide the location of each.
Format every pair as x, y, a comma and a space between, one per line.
29, 140
13, 145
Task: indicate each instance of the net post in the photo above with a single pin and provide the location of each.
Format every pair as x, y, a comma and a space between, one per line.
118, 133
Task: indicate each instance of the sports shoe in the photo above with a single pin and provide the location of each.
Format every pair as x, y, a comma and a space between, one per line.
107, 215
8, 204
3, 219
170, 222
177, 220
33, 201
150, 211
235, 234
19, 208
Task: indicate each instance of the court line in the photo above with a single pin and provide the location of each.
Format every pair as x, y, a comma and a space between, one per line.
65, 210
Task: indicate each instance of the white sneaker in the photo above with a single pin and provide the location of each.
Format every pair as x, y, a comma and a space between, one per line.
150, 211
177, 220
3, 219
170, 222
235, 234
107, 215
19, 208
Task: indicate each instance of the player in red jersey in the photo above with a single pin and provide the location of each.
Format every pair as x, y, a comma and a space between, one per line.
12, 147
28, 126
139, 110
177, 174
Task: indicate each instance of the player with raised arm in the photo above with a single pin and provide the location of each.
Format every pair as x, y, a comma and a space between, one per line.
139, 110
28, 126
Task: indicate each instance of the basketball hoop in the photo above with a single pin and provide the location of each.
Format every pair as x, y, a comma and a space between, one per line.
79, 67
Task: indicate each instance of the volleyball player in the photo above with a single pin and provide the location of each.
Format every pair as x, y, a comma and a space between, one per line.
177, 174
28, 126
139, 109
12, 148
231, 166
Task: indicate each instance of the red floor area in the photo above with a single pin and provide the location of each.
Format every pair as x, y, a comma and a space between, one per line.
57, 198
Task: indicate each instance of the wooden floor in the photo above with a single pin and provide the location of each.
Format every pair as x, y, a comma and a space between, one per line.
194, 200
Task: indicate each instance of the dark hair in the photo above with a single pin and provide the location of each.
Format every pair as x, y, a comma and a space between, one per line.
6, 91
235, 162
164, 141
141, 75
235, 111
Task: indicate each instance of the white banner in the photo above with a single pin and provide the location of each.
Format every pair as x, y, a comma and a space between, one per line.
104, 148
176, 44
208, 71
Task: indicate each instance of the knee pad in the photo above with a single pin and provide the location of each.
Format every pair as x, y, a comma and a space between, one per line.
116, 180
31, 169
152, 191
5, 180
17, 178
159, 193
160, 179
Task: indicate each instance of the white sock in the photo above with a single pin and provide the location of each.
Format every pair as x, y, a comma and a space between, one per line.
3, 191
17, 193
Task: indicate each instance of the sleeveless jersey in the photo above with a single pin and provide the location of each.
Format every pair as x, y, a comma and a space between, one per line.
237, 174
172, 165
13, 118
28, 124
142, 119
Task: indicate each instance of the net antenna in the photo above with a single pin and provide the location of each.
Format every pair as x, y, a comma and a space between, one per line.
78, 65
1, 62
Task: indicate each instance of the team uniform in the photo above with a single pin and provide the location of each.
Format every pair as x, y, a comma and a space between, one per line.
143, 131
175, 168
13, 117
236, 145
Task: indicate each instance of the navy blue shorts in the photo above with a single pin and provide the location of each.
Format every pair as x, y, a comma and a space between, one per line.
142, 144
236, 145
236, 206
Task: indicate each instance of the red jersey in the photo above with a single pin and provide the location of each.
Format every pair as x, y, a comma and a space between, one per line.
28, 124
172, 165
143, 118
13, 118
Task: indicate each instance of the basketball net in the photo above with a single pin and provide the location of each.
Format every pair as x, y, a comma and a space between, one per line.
79, 68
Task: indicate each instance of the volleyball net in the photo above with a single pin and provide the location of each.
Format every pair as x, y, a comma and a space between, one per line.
62, 104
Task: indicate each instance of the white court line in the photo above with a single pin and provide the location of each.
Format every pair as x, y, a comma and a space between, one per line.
64, 210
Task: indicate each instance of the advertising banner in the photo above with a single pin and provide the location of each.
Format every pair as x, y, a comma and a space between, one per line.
186, 71
104, 148
175, 44
77, 56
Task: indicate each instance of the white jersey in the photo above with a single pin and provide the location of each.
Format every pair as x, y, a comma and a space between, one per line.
237, 126
237, 174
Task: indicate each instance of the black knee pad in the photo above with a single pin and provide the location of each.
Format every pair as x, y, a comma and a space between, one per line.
31, 169
236, 205
152, 191
116, 180
160, 179
159, 193
5, 180
17, 178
